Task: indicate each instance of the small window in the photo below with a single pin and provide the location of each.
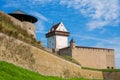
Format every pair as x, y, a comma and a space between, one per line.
112, 67
108, 67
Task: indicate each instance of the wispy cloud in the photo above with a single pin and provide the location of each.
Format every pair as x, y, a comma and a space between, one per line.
26, 3
39, 15
9, 3
40, 1
114, 40
101, 12
40, 25
27, 7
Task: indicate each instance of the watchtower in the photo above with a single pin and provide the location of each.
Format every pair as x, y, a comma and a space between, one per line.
27, 21
57, 37
72, 44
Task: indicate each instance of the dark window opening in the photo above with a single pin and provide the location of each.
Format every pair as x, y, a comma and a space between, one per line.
108, 67
112, 67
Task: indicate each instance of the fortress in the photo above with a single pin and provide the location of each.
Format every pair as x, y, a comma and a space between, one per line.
28, 56
57, 40
92, 57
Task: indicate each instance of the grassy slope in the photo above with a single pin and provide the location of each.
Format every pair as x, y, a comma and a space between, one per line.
9, 71
103, 70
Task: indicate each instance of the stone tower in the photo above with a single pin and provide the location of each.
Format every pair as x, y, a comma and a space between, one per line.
72, 44
27, 21
57, 37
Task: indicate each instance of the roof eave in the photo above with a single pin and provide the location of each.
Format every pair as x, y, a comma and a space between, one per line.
61, 33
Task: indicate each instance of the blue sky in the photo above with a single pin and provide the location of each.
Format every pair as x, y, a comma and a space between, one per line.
93, 23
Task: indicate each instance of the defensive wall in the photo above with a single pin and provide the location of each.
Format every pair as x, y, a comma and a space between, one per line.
99, 58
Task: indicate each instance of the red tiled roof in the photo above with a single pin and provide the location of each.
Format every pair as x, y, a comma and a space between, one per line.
54, 27
53, 31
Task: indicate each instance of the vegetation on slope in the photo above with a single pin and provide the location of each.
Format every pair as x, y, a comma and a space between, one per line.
9, 71
103, 70
8, 27
69, 58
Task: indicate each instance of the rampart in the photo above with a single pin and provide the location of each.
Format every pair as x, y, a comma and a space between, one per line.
27, 56
99, 58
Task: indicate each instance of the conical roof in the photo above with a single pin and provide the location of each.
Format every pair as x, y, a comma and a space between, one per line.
18, 12
23, 16
72, 41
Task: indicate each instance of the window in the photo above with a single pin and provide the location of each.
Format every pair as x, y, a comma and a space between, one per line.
108, 67
112, 67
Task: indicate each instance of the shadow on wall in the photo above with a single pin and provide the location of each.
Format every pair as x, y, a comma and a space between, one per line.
111, 75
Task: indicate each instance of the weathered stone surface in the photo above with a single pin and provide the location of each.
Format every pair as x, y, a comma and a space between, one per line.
27, 56
28, 26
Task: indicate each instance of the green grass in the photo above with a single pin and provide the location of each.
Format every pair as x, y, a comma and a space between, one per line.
110, 70
103, 70
69, 58
9, 71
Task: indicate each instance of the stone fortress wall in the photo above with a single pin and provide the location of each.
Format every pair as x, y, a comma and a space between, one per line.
38, 60
29, 27
91, 57
94, 58
45, 63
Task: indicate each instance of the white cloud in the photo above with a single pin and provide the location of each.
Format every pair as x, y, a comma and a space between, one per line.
9, 3
26, 6
114, 40
40, 1
39, 15
26, 3
39, 26
101, 12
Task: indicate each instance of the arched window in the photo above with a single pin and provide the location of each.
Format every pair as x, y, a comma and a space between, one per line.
108, 67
